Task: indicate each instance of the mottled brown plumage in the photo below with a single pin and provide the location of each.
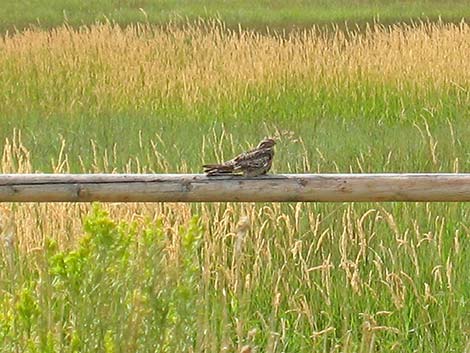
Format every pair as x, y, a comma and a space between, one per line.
251, 164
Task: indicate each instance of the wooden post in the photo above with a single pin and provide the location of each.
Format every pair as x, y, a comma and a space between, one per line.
200, 188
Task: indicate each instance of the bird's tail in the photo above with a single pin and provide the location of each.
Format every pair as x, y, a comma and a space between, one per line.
217, 169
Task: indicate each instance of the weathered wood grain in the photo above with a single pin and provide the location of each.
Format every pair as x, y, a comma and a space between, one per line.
200, 188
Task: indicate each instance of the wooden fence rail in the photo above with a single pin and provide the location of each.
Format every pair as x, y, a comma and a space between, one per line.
197, 187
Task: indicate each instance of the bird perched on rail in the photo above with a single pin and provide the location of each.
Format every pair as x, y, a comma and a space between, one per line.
251, 163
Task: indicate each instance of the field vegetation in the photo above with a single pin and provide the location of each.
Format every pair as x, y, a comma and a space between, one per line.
257, 14
335, 97
235, 277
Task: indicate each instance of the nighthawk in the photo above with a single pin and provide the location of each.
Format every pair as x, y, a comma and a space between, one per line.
251, 163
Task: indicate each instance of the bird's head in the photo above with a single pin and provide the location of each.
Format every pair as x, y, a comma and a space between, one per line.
267, 143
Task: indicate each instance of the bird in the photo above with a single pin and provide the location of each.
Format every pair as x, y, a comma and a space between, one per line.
252, 163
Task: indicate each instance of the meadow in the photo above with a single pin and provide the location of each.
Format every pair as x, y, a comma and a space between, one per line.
235, 277
258, 14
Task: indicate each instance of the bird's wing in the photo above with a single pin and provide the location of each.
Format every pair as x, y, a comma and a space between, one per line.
253, 159
249, 155
227, 166
243, 158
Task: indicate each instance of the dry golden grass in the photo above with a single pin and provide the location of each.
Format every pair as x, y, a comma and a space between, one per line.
305, 259
141, 66
339, 277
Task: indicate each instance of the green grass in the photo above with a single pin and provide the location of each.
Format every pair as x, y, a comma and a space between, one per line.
254, 14
323, 278
127, 302
340, 135
366, 277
